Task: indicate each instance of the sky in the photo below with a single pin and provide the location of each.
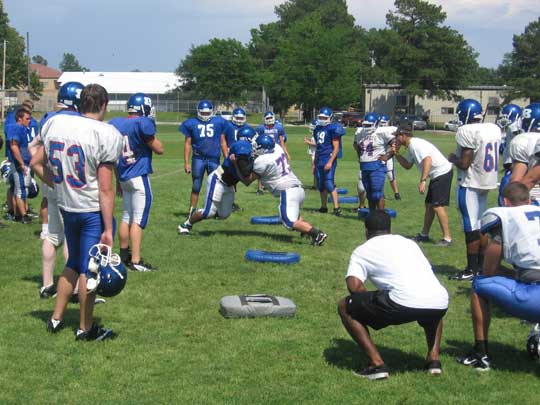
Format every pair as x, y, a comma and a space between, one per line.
121, 35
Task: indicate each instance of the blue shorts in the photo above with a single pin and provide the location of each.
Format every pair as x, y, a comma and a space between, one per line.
82, 231
198, 167
513, 297
373, 181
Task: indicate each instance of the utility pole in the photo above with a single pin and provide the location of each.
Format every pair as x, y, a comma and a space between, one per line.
4, 81
28, 60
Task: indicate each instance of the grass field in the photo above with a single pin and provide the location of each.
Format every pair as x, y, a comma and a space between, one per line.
174, 347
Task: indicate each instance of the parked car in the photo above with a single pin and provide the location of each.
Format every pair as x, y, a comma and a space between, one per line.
225, 114
413, 120
352, 119
452, 125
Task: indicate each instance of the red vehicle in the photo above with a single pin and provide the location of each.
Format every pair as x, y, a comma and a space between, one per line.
352, 119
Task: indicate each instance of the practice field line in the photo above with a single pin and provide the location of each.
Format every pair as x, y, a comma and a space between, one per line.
166, 174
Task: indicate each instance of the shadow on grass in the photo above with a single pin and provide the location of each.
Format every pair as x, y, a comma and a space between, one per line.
34, 279
71, 317
446, 270
503, 356
346, 354
239, 232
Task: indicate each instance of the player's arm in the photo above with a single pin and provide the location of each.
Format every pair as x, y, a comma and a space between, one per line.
106, 200
532, 177
426, 167
333, 155
224, 146
16, 152
519, 170
39, 166
355, 285
465, 161
401, 159
284, 146
390, 152
155, 144
187, 154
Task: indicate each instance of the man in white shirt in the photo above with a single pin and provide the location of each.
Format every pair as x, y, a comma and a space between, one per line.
407, 291
514, 233
431, 164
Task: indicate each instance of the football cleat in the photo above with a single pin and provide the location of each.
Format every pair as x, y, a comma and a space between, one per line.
465, 275
141, 267
373, 373
54, 326
184, 229
96, 333
480, 362
319, 239
533, 342
47, 292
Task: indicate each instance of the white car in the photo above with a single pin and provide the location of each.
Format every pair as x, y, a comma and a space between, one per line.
226, 115
452, 125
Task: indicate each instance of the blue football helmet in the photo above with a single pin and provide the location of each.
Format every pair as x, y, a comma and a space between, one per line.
5, 168
263, 144
70, 94
107, 274
325, 116
140, 103
370, 120
531, 118
509, 114
468, 110
205, 110
245, 134
269, 118
33, 189
239, 116
384, 120
313, 125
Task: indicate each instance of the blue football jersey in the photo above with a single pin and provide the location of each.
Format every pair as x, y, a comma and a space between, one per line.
205, 136
18, 133
237, 148
136, 159
274, 131
231, 132
323, 136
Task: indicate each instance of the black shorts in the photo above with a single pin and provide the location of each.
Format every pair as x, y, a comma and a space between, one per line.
438, 193
376, 310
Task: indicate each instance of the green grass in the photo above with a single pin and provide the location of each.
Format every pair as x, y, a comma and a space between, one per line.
174, 347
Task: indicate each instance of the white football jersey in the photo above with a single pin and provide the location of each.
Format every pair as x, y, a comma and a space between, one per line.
520, 233
75, 147
373, 142
522, 148
275, 171
484, 139
507, 136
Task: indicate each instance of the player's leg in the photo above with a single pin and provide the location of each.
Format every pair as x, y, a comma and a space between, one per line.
433, 332
319, 174
391, 176
123, 228
439, 197
198, 167
214, 191
141, 203
20, 193
226, 201
329, 185
361, 192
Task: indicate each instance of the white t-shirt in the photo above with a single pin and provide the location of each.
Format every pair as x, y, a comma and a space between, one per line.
419, 149
275, 171
484, 139
397, 264
75, 147
373, 142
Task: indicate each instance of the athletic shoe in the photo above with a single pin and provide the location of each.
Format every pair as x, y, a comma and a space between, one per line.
465, 275
26, 220
356, 210
184, 229
443, 243
480, 362
32, 214
433, 367
141, 266
337, 212
54, 326
323, 210
373, 373
236, 207
421, 238
319, 239
397, 196
96, 332
9, 216
47, 292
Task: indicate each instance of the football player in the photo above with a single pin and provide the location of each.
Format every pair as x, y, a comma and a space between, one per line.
204, 143
383, 124
272, 167
78, 159
373, 146
477, 161
220, 186
510, 123
531, 123
237, 123
312, 149
513, 233
138, 131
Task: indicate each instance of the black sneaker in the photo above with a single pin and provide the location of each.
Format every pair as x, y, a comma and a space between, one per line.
373, 373
26, 219
480, 362
337, 212
465, 275
433, 367
323, 210
96, 332
397, 196
236, 207
47, 292
319, 239
443, 243
421, 238
54, 326
141, 266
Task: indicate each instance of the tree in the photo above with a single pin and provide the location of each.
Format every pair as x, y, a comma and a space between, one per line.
521, 67
221, 70
70, 63
16, 63
39, 59
429, 59
36, 86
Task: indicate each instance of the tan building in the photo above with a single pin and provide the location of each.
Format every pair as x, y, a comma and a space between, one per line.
390, 99
49, 79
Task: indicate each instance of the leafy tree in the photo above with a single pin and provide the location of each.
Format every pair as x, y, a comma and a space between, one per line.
16, 66
36, 86
221, 70
333, 12
39, 59
487, 77
521, 67
70, 63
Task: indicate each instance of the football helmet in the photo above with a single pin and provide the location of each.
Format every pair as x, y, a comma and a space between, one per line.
530, 120
533, 342
5, 168
107, 274
70, 94
509, 114
313, 125
468, 110
205, 110
384, 120
239, 116
245, 134
140, 103
325, 116
269, 118
33, 189
263, 144
370, 120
